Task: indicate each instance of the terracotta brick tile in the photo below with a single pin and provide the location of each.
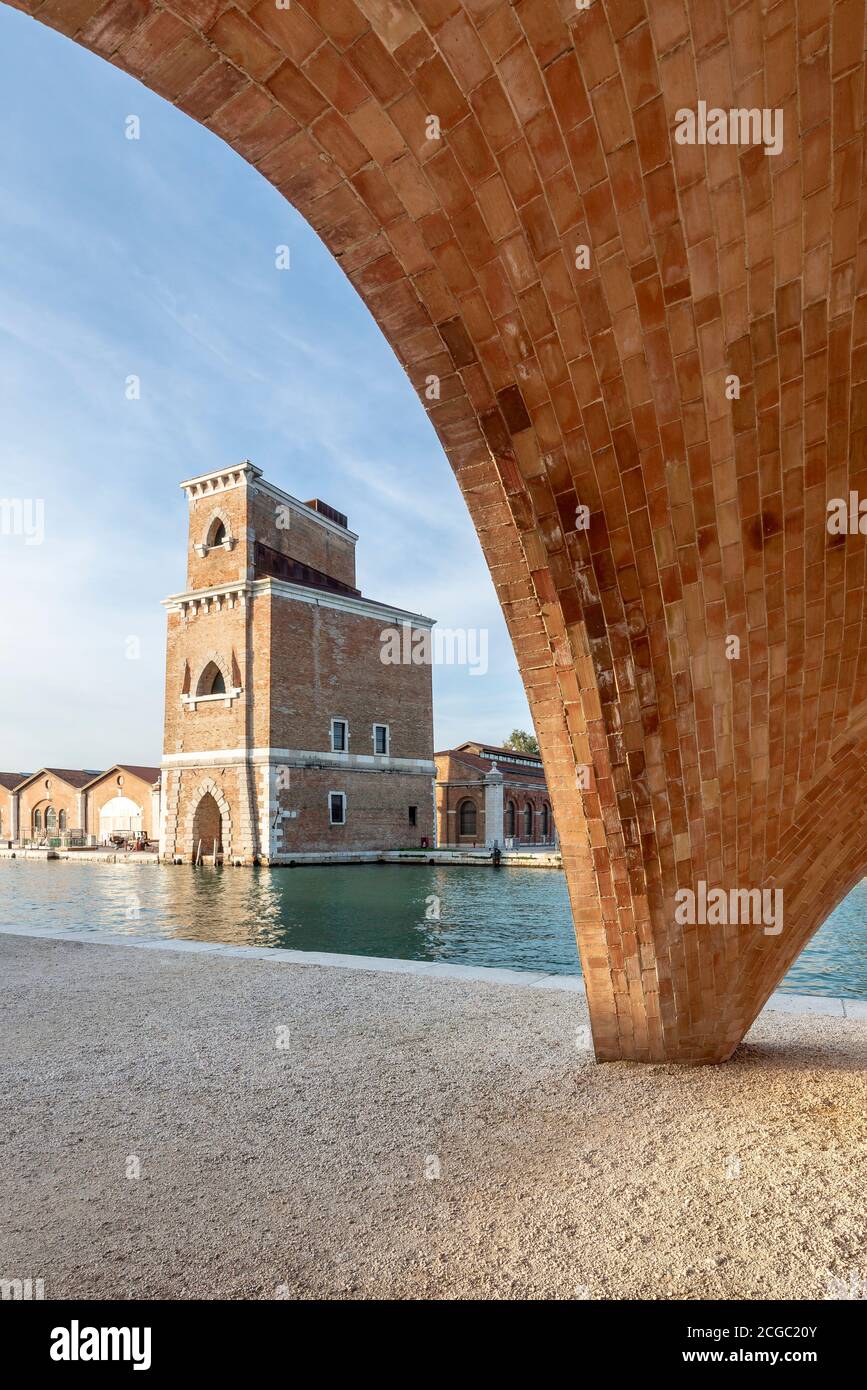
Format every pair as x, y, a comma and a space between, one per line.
174, 72
435, 13
244, 44
625, 177
539, 228
651, 135
472, 151
564, 201
377, 133
494, 114
586, 155
847, 35
520, 173
292, 30
454, 266
156, 36
518, 263
464, 52
113, 24
409, 246
612, 115
440, 303
661, 197
245, 108
414, 52
600, 212
410, 117
497, 207
522, 81
594, 46
412, 187
448, 182
303, 183
200, 14
216, 86
542, 23
480, 9
372, 61
546, 144
472, 236
638, 60
334, 76
337, 138
500, 31
341, 20
442, 94
436, 229
566, 90
298, 96
272, 128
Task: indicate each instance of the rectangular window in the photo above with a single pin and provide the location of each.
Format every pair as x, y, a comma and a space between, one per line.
339, 735
380, 739
337, 808
413, 815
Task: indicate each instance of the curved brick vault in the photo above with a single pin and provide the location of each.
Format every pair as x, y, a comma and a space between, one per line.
604, 387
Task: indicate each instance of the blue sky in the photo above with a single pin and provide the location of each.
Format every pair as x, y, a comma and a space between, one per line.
156, 258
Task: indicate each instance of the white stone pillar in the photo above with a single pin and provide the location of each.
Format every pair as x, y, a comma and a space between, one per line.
493, 807
14, 805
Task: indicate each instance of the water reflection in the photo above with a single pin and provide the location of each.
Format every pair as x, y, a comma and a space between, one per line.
515, 917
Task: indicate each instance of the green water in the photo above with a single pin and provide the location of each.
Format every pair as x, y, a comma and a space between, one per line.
518, 918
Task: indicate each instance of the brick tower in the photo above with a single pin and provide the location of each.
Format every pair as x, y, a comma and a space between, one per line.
286, 734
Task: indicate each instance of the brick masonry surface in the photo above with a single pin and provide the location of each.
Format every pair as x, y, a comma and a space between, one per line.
598, 380
250, 771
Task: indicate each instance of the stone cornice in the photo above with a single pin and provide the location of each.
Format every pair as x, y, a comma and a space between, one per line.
221, 480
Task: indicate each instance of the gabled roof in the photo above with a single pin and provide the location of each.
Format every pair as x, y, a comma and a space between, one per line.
151, 775
77, 777
506, 753
11, 780
533, 771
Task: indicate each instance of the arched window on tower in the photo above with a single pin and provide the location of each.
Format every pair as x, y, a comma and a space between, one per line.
467, 817
217, 533
211, 681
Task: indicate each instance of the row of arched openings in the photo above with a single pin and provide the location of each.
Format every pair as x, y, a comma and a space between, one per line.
53, 822
468, 820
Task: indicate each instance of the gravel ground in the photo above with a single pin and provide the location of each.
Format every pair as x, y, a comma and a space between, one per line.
309, 1132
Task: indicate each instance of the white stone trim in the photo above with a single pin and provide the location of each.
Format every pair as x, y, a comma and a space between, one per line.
229, 594
380, 724
320, 598
218, 597
221, 480
300, 757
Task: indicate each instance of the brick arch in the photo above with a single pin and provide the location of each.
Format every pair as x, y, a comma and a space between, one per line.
208, 786
218, 514
556, 388
217, 659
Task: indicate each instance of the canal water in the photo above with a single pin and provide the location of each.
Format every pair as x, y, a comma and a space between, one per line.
517, 918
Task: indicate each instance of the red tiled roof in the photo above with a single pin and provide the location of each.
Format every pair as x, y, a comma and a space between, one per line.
485, 764
147, 774
74, 776
10, 780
